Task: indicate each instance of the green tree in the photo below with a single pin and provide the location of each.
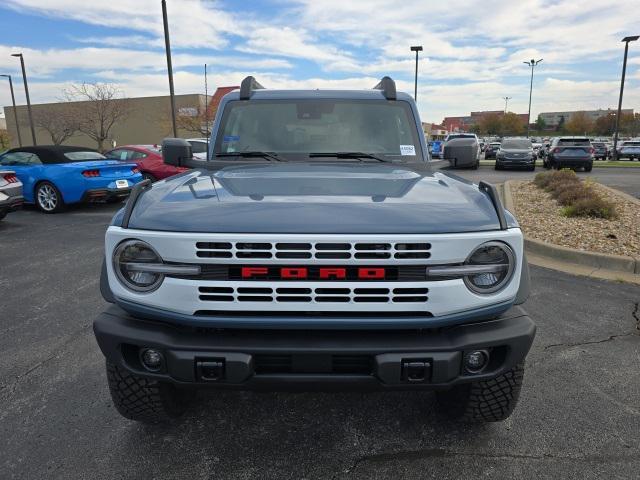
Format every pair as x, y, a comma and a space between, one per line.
540, 123
5, 140
560, 126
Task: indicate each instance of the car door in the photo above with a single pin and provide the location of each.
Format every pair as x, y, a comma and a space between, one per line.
28, 168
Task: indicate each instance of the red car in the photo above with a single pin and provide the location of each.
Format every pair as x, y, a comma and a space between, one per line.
148, 158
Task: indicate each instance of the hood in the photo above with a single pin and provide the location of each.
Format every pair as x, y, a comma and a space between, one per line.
315, 198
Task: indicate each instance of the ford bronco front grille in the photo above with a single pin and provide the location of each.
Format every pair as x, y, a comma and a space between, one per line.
325, 294
308, 250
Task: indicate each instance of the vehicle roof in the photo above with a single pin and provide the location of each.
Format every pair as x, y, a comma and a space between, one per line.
141, 147
51, 153
269, 94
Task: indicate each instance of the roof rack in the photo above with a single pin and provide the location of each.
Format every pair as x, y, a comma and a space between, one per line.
388, 87
248, 85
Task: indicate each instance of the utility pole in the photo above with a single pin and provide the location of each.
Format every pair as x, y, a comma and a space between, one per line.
206, 108
626, 41
506, 103
15, 112
532, 63
417, 48
167, 47
26, 91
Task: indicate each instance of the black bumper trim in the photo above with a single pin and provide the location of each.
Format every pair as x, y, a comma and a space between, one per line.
511, 335
98, 194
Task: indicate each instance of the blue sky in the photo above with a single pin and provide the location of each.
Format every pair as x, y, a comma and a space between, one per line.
473, 51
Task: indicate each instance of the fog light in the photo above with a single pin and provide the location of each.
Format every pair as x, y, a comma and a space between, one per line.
476, 360
151, 359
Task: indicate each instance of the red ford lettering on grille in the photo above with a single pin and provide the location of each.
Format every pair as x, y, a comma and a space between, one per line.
371, 273
321, 273
288, 273
333, 273
252, 272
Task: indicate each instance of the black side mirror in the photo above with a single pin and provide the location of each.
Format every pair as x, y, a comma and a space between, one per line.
176, 152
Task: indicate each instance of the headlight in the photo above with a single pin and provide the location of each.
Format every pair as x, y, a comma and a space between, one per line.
134, 262
495, 262
486, 270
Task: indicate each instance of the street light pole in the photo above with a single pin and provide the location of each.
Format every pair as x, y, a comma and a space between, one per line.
167, 46
26, 91
416, 48
15, 112
506, 103
532, 63
626, 41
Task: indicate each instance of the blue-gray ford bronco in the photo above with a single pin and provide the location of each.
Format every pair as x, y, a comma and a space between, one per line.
316, 248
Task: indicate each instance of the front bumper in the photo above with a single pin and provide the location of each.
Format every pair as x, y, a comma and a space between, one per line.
515, 162
317, 360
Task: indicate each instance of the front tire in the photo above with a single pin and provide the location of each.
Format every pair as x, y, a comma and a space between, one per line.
48, 198
143, 400
484, 401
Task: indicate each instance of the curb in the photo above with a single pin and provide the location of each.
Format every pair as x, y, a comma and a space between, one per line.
604, 261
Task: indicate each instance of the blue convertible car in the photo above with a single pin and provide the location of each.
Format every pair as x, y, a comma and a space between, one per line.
53, 176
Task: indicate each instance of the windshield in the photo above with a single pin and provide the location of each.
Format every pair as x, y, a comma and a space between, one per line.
461, 135
295, 128
574, 142
84, 156
516, 144
631, 144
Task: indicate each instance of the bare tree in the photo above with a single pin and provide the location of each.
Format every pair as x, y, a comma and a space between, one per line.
60, 124
200, 124
103, 107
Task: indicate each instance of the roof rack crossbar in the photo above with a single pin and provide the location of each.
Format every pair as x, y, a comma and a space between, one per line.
248, 85
388, 87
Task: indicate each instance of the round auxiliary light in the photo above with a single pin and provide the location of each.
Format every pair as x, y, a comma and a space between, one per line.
129, 260
151, 359
499, 262
476, 360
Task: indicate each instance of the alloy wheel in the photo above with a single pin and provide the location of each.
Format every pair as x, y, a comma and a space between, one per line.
47, 198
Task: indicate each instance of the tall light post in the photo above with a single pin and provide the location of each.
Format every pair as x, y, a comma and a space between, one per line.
532, 63
506, 103
167, 47
26, 91
416, 48
15, 112
626, 41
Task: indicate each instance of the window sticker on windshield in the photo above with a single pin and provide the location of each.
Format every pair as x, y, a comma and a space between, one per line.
231, 138
407, 150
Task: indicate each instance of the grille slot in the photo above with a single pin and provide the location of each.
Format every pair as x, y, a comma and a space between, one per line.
308, 295
307, 250
265, 364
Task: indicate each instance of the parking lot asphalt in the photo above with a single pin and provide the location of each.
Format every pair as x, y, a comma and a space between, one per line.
625, 179
578, 417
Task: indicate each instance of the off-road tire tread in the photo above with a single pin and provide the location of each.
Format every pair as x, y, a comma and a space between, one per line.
138, 398
484, 401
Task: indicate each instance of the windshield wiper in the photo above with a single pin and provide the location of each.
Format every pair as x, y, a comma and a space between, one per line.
252, 154
356, 155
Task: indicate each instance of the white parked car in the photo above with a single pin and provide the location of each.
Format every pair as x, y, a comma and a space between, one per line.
199, 147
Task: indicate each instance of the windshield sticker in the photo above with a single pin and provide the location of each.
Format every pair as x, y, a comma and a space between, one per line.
407, 150
231, 138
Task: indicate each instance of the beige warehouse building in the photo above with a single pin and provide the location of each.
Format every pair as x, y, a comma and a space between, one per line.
148, 121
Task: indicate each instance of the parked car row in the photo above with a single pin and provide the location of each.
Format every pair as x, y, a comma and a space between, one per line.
53, 176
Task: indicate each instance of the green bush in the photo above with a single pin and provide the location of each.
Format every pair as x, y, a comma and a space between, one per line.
571, 194
594, 206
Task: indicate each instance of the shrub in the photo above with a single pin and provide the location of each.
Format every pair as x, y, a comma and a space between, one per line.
579, 199
594, 206
572, 193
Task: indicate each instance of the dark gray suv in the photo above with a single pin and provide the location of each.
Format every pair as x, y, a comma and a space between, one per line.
570, 152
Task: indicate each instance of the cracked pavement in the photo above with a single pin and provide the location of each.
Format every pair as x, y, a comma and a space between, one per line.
578, 417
